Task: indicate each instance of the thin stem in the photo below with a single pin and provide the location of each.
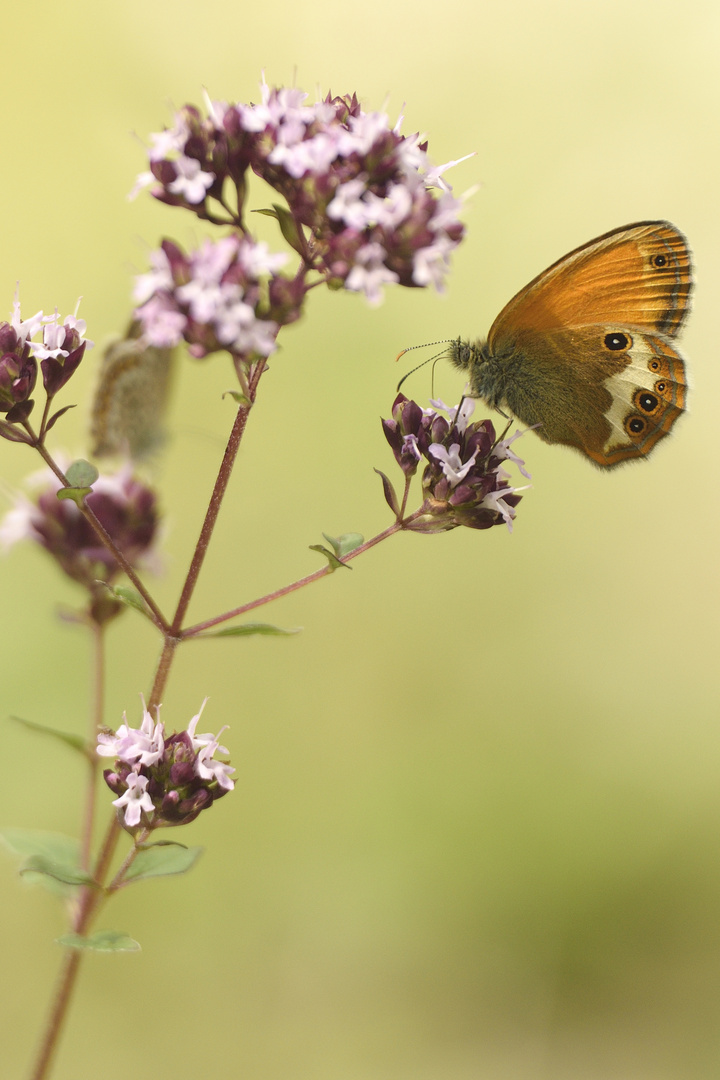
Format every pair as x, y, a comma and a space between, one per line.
46, 413
193, 631
63, 993
163, 670
406, 492
118, 882
96, 713
90, 898
216, 498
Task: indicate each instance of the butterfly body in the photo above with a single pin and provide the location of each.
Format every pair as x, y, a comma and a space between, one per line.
586, 350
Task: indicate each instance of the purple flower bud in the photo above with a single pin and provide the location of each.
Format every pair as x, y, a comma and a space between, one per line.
407, 434
286, 297
182, 773
177, 261
113, 781
56, 370
192, 805
8, 339
17, 378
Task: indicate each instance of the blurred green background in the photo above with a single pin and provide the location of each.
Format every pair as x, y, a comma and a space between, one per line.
476, 830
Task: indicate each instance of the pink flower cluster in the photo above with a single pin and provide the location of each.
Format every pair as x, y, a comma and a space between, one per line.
60, 351
464, 481
160, 779
211, 298
359, 207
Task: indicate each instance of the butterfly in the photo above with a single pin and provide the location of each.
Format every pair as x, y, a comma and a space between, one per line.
586, 352
131, 397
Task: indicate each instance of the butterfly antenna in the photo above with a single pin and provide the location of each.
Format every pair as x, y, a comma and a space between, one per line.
425, 345
430, 359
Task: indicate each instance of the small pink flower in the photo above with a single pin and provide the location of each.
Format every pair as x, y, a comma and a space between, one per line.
136, 800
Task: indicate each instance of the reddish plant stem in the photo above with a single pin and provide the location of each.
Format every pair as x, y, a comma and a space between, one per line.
406, 492
216, 498
89, 899
63, 993
155, 613
118, 880
96, 712
162, 671
193, 631
91, 896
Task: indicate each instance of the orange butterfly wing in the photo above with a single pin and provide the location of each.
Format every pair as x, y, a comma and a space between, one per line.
639, 275
611, 404
561, 333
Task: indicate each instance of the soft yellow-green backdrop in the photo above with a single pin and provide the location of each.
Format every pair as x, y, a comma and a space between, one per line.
476, 830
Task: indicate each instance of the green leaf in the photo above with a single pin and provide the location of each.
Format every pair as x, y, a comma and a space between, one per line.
66, 873
52, 845
289, 228
158, 860
77, 494
287, 223
333, 561
101, 941
52, 859
81, 474
246, 629
343, 545
237, 396
130, 597
75, 741
127, 595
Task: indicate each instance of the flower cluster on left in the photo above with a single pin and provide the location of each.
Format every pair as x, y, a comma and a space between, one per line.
125, 507
59, 352
93, 526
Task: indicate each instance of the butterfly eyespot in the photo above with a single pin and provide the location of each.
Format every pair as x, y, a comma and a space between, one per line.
659, 261
635, 425
661, 387
654, 365
616, 342
646, 401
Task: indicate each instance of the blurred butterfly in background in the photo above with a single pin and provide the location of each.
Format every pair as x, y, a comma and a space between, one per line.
128, 410
587, 352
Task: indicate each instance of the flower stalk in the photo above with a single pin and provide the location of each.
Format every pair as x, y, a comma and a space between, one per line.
360, 207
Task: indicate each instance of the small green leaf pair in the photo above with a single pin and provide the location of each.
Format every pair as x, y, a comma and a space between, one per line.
81, 476
341, 546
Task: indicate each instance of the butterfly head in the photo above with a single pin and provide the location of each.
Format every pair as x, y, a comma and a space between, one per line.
467, 355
